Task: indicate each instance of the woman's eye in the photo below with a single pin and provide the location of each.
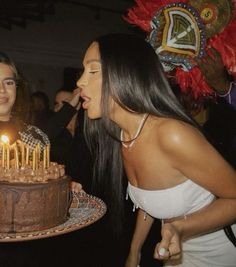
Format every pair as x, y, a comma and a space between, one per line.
93, 71
9, 82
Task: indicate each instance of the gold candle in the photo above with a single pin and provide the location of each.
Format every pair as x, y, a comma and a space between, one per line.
37, 155
27, 155
5, 147
44, 158
22, 154
3, 155
16, 156
48, 155
8, 156
34, 160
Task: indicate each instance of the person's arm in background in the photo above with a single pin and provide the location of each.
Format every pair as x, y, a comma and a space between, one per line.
217, 76
142, 228
60, 119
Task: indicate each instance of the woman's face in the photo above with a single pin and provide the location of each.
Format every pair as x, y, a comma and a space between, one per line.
7, 91
91, 82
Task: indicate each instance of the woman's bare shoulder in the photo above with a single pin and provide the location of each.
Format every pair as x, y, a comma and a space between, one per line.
172, 133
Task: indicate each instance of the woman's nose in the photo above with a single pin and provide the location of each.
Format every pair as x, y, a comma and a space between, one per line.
82, 81
2, 87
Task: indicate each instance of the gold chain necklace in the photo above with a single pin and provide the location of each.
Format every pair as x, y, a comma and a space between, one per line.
131, 141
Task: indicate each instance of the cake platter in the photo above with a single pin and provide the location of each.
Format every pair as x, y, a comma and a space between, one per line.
84, 210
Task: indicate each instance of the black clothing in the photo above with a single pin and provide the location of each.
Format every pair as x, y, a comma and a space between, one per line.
220, 129
73, 152
39, 118
54, 124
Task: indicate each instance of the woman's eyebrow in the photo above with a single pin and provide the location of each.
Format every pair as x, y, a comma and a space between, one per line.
9, 78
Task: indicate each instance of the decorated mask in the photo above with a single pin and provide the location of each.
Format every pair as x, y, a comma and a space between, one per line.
181, 31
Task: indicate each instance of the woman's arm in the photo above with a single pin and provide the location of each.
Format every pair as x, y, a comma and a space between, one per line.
191, 154
60, 119
218, 214
142, 228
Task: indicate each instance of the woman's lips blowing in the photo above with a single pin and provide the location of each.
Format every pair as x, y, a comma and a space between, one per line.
85, 102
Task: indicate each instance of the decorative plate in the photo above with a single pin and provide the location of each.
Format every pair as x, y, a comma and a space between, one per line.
84, 210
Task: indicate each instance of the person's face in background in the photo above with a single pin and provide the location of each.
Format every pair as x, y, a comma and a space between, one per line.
7, 91
91, 82
38, 104
60, 97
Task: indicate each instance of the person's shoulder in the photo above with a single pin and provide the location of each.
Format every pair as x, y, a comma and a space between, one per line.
36, 132
31, 128
173, 134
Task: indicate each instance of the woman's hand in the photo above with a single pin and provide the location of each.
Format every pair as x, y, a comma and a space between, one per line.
75, 99
133, 259
214, 71
170, 246
75, 187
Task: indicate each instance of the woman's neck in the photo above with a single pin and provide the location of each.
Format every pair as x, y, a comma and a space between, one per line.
129, 122
129, 142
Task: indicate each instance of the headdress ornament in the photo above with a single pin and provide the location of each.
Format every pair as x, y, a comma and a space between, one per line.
181, 31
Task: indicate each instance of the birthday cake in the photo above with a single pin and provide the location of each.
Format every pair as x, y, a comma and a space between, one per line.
34, 192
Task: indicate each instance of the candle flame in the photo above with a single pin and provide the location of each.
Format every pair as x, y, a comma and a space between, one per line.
5, 139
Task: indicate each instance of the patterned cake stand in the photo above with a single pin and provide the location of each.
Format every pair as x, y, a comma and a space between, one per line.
84, 210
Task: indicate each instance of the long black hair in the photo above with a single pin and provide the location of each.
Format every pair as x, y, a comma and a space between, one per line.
132, 75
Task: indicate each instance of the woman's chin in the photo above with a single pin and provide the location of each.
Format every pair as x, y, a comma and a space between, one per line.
93, 116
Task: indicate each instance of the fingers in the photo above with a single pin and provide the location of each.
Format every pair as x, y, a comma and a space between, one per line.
76, 187
212, 57
214, 54
170, 245
76, 91
162, 253
75, 99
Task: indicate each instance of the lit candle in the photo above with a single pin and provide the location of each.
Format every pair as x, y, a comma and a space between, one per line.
3, 155
8, 156
5, 151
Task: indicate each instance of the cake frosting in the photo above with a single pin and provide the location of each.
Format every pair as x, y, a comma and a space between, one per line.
27, 207
27, 175
33, 199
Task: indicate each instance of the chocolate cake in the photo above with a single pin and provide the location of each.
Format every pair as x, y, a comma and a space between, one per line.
33, 200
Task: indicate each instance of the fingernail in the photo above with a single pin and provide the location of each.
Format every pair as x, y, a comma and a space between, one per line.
162, 251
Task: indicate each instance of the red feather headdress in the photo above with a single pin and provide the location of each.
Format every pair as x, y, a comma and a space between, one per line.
181, 30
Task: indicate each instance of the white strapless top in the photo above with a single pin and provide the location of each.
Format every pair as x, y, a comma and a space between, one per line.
176, 201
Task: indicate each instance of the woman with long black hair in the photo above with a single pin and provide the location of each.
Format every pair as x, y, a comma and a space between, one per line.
135, 123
